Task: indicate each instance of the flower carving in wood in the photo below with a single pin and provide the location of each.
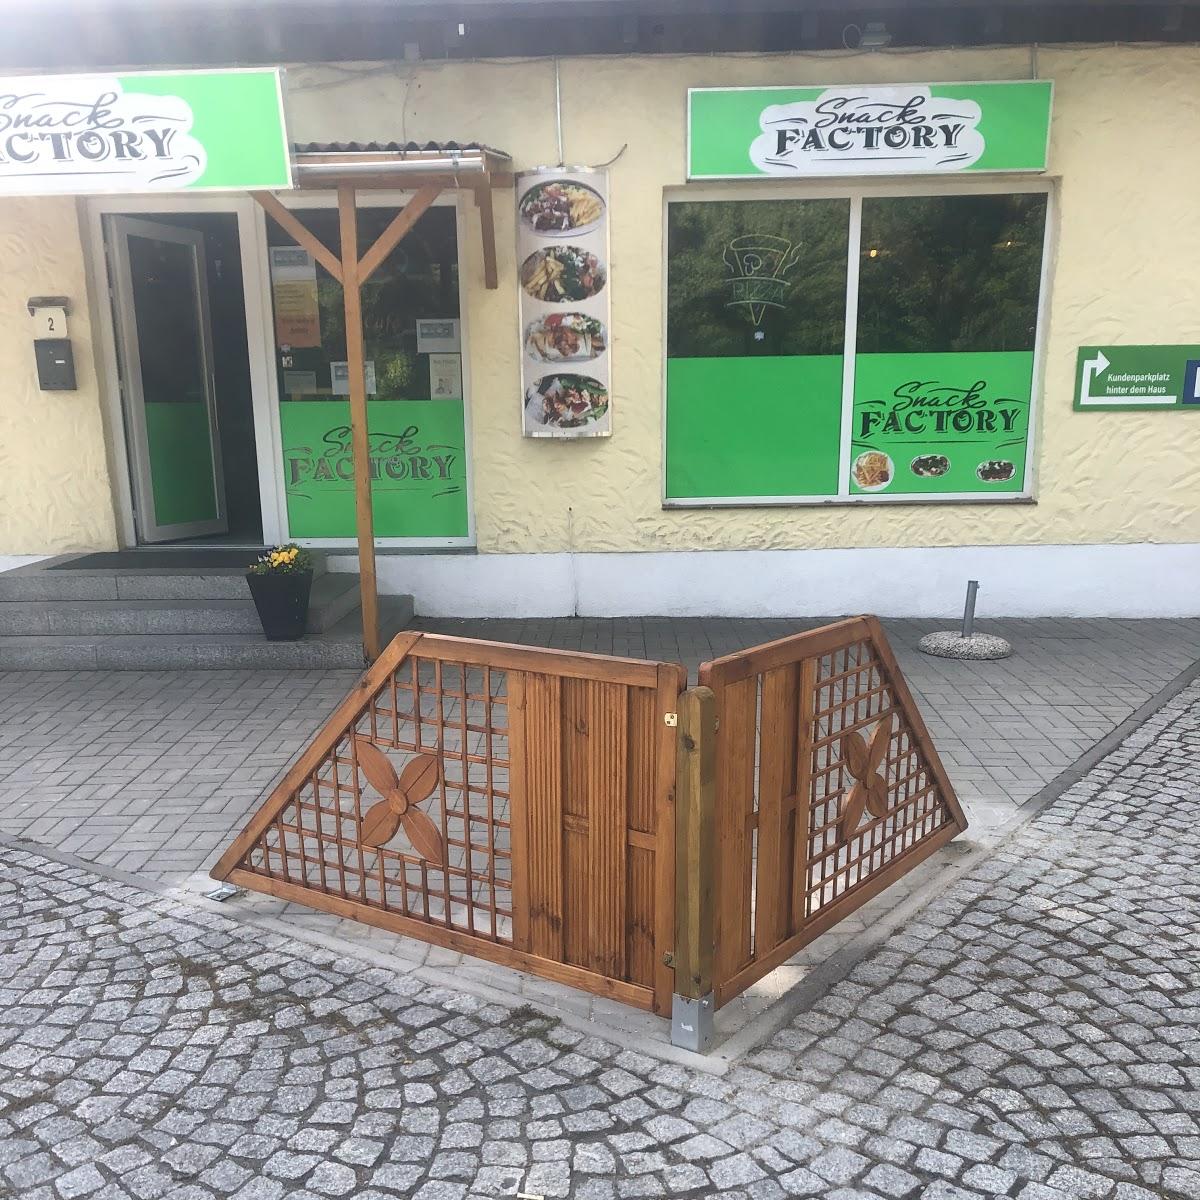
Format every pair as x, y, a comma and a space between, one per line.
863, 758
401, 795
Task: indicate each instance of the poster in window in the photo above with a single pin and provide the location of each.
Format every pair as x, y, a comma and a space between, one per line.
563, 303
294, 284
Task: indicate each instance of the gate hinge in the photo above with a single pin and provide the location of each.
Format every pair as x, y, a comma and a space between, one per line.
669, 958
671, 720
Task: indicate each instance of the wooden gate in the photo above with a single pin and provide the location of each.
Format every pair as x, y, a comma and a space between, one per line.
827, 789
508, 802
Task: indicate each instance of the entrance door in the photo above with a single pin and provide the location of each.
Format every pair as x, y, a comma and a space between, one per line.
165, 350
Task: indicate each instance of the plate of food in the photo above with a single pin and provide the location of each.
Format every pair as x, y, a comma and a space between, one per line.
558, 207
565, 402
929, 466
562, 275
873, 471
996, 470
565, 337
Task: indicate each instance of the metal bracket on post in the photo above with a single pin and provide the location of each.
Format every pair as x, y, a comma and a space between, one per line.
692, 1022
694, 1003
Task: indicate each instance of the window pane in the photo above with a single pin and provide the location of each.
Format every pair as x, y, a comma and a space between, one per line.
947, 320
950, 273
415, 404
756, 300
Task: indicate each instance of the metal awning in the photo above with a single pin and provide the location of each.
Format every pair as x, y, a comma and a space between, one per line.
400, 165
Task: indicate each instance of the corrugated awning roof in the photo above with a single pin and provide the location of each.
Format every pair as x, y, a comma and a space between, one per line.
444, 148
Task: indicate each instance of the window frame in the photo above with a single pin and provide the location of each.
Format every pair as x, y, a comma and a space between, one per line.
856, 191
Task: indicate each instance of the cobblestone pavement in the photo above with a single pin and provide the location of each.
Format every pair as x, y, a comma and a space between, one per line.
1035, 1034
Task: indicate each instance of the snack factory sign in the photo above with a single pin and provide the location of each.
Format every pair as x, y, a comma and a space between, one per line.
147, 132
897, 129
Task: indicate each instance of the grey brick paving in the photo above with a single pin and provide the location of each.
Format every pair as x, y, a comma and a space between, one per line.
1034, 1033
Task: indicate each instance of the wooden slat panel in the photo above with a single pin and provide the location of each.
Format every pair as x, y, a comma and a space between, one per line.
639, 917
641, 776
518, 808
608, 750
576, 898
776, 785
737, 706
802, 814
594, 788
544, 809
672, 679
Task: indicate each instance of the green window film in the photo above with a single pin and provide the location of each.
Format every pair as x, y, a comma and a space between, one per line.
415, 405
947, 321
756, 303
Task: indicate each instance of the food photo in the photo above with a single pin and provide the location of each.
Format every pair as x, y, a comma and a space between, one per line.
562, 274
996, 470
565, 337
561, 206
565, 401
873, 470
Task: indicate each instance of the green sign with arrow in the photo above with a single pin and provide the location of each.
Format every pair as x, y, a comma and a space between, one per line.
1124, 377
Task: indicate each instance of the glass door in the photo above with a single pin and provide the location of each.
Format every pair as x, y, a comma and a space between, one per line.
160, 298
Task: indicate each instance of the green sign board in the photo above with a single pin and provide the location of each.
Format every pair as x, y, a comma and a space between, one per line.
418, 468
896, 129
148, 132
1122, 377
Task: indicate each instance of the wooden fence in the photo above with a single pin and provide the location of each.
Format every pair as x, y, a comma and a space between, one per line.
583, 818
826, 789
508, 802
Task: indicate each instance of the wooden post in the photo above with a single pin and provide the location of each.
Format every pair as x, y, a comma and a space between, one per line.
360, 440
695, 801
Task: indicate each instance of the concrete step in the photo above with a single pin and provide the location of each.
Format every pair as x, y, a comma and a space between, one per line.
333, 597
338, 647
54, 579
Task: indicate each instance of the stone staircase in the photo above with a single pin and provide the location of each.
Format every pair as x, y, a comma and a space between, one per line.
55, 616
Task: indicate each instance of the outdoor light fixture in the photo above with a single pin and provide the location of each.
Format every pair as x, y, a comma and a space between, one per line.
875, 36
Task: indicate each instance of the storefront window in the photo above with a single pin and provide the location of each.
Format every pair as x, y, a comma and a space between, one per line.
756, 310
937, 402
410, 314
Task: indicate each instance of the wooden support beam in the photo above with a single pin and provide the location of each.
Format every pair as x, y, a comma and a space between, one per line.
695, 836
487, 227
401, 223
292, 224
360, 440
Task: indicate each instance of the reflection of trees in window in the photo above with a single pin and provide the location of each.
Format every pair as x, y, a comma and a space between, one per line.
756, 277
418, 279
950, 273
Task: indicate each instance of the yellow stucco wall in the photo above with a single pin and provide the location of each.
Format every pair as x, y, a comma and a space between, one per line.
1123, 271
54, 482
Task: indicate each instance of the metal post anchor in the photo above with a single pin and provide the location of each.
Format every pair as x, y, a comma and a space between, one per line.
692, 1022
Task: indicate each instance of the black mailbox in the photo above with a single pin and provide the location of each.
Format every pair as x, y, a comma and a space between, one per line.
55, 364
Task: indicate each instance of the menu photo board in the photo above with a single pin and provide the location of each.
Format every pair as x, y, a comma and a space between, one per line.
563, 303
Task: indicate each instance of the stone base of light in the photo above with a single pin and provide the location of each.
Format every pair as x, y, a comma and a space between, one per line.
979, 647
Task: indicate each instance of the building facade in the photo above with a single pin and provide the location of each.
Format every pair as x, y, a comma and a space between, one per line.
744, 318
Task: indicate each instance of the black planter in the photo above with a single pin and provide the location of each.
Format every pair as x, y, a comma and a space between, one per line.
282, 603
